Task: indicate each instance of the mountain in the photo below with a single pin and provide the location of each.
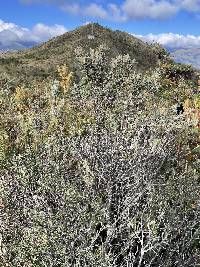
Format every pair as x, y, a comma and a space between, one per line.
16, 46
189, 56
9, 42
40, 61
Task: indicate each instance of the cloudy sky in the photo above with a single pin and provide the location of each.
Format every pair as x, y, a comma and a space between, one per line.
173, 23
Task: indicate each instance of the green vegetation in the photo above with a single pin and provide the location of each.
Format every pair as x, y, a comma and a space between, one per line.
60, 50
96, 167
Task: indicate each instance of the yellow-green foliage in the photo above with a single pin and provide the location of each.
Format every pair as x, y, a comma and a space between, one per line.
98, 151
66, 77
176, 82
3, 144
31, 113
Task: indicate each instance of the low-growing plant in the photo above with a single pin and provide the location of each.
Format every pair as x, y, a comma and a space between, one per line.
99, 173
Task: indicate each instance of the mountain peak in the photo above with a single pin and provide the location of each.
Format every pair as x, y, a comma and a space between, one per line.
42, 60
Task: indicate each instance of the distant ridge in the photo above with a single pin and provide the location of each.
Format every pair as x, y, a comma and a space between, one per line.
189, 56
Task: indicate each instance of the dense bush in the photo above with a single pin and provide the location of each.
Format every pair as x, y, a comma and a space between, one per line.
95, 172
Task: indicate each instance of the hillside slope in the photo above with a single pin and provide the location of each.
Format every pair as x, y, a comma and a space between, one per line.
40, 61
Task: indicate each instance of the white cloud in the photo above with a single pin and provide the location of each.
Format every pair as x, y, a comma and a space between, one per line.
44, 32
92, 10
190, 5
132, 9
112, 12
14, 36
153, 9
95, 11
172, 40
126, 11
73, 9
116, 14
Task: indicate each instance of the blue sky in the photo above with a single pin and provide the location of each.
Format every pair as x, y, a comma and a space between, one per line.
170, 22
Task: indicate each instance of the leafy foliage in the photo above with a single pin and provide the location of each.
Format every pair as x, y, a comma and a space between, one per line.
103, 149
